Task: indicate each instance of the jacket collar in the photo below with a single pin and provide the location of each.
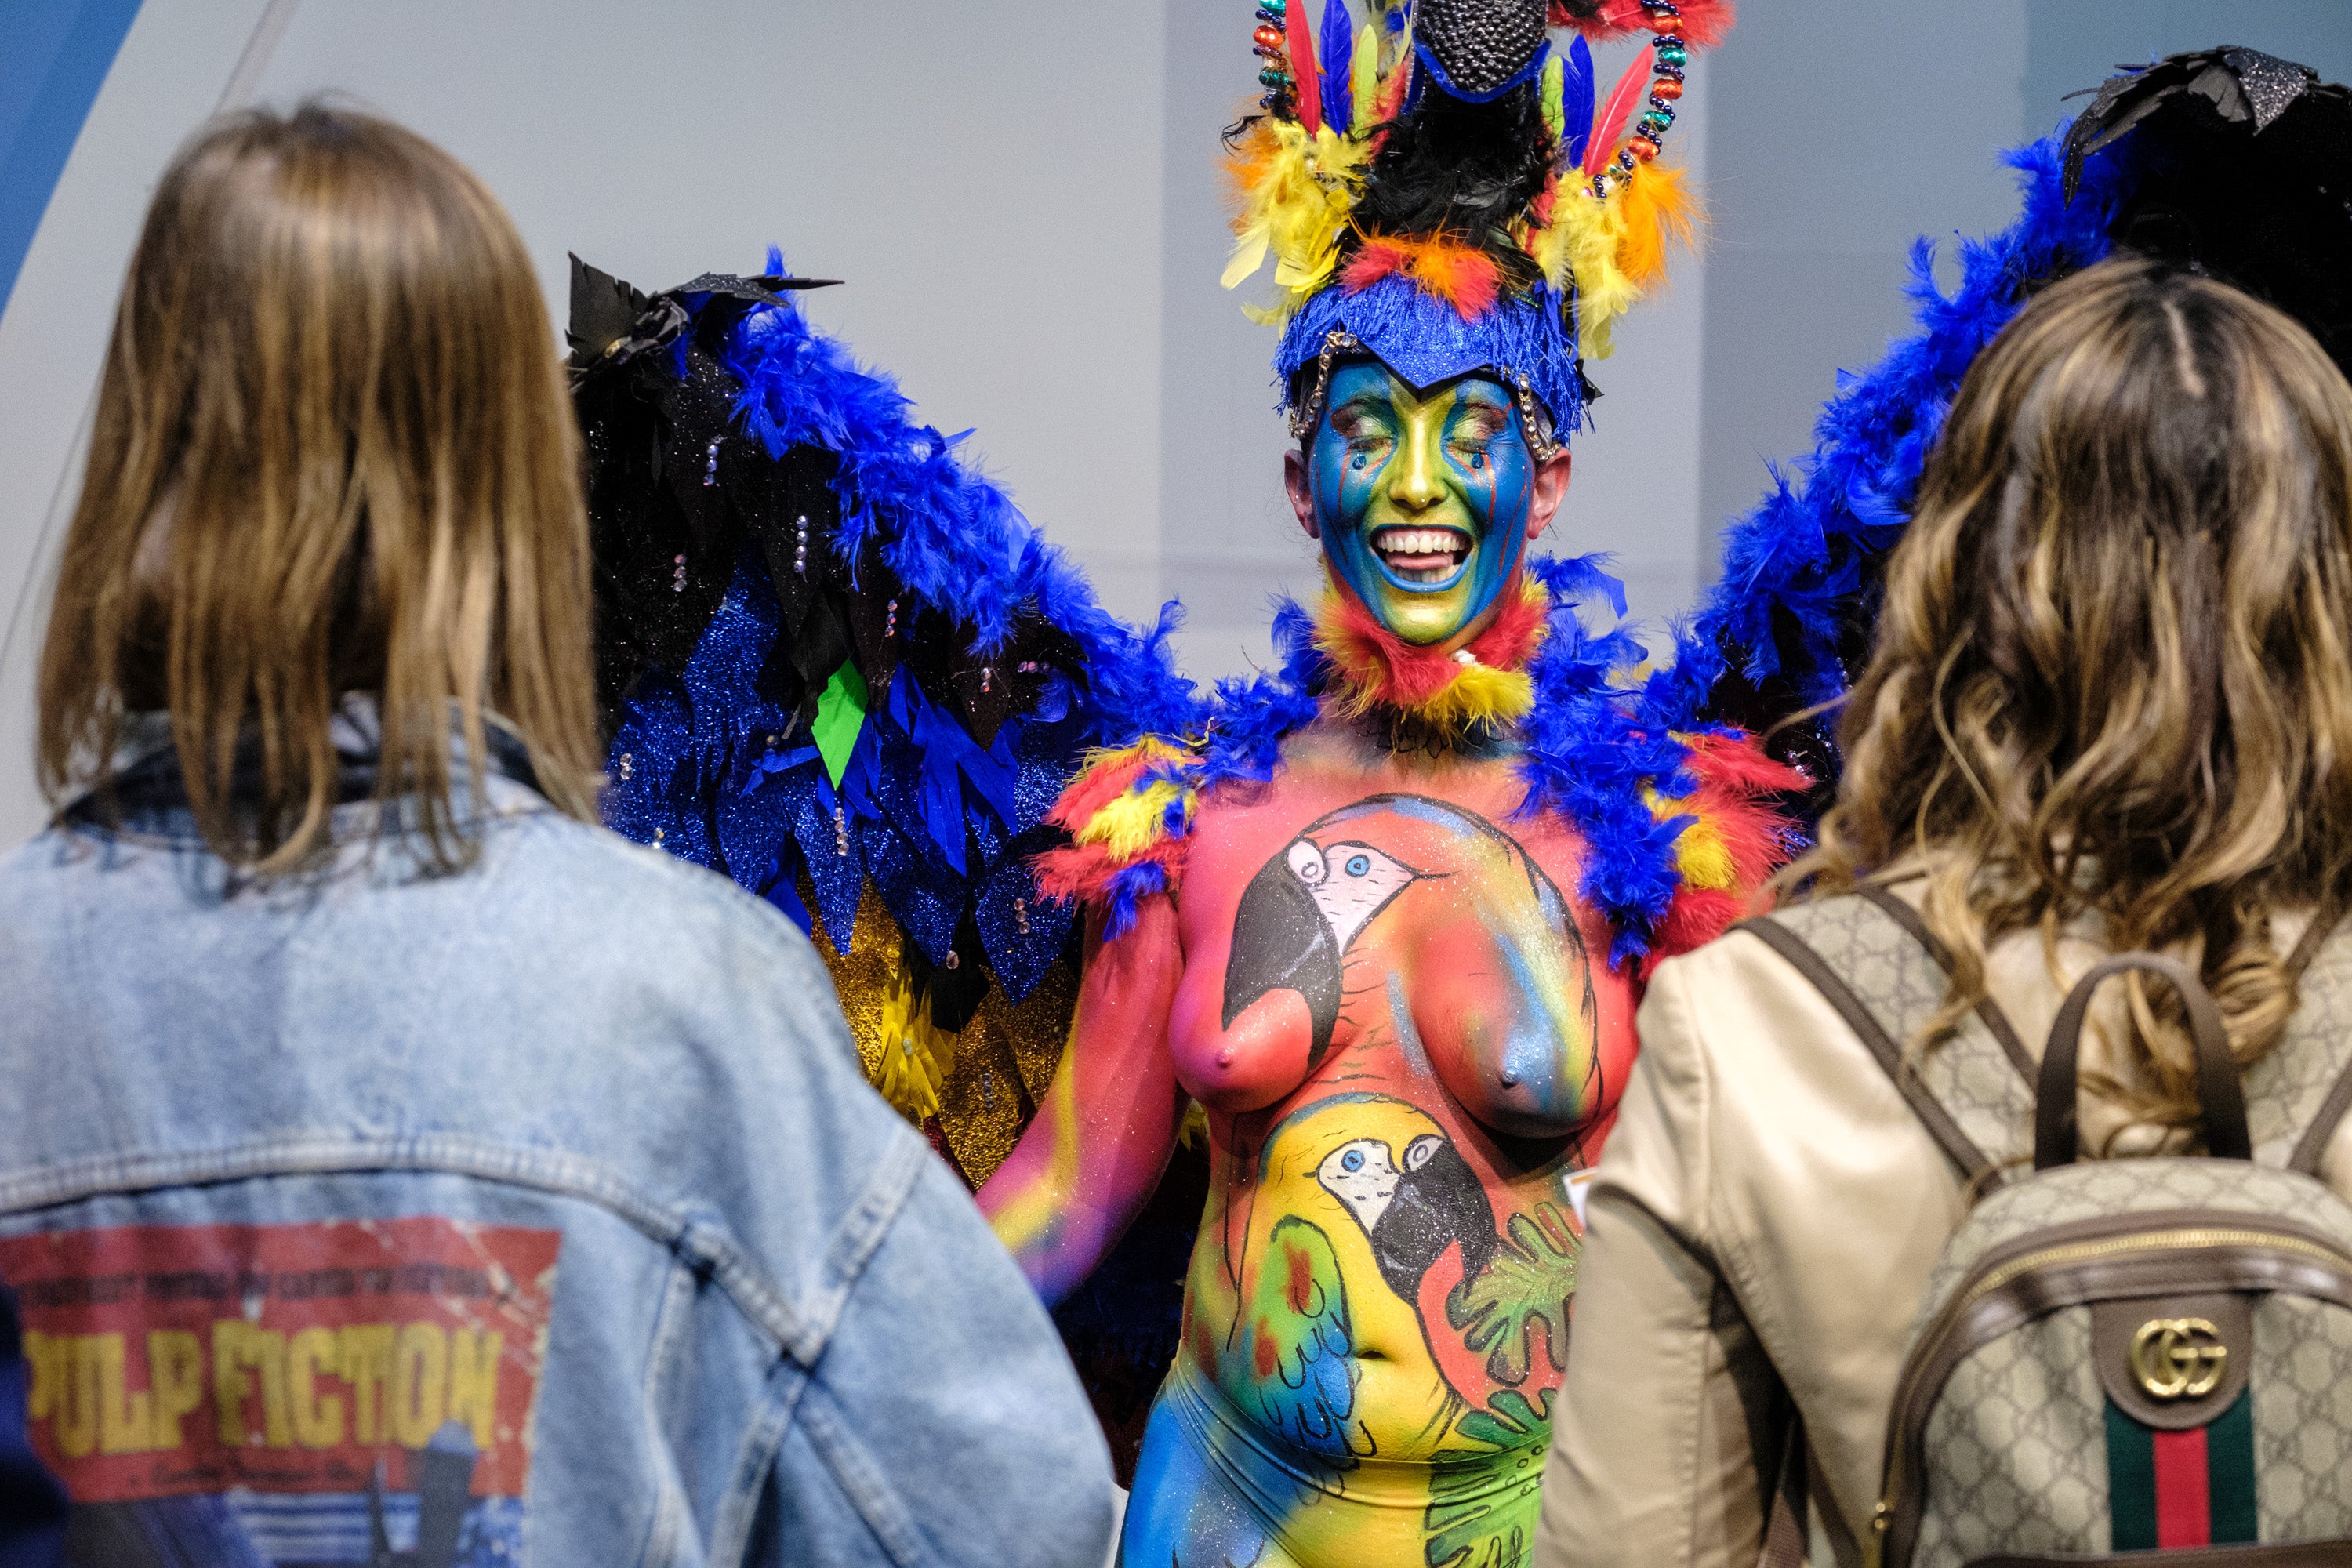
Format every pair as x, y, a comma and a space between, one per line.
148, 796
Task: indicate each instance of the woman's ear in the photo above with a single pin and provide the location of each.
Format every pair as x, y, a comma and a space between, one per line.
1302, 493
1551, 489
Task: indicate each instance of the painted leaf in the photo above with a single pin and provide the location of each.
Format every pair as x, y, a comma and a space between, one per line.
1522, 1294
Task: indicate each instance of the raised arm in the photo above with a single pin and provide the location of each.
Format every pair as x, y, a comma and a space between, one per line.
1094, 1154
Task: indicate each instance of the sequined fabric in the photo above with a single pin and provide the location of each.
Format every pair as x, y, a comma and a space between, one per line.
1003, 1059
2269, 83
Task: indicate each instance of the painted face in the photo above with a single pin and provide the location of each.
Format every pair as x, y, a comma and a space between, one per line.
1422, 497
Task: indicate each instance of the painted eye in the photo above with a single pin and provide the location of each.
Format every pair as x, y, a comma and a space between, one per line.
1358, 460
1478, 459
1353, 1160
1359, 864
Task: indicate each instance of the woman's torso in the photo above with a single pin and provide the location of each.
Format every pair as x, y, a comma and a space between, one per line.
1393, 967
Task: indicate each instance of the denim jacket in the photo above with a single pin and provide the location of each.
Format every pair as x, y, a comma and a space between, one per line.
536, 1213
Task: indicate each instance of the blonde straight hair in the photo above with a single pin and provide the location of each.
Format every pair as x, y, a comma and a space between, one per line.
2112, 676
333, 453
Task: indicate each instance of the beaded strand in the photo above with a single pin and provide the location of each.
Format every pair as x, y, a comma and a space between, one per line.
1271, 44
1671, 59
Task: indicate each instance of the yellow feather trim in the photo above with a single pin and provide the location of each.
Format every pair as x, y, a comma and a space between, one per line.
1493, 695
1134, 822
1700, 854
1499, 697
1131, 822
1613, 251
1293, 195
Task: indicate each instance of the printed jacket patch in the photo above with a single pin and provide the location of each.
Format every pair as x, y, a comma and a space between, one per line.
272, 1395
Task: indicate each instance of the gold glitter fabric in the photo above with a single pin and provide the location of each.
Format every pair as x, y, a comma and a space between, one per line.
995, 1072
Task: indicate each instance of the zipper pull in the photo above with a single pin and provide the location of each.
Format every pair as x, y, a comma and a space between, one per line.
1882, 1517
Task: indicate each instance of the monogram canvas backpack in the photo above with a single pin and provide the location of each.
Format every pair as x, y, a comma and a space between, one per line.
2115, 1357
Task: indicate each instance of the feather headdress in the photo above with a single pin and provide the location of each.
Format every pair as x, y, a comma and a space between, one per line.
1443, 189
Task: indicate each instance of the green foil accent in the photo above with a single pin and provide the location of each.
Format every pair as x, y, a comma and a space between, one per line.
1673, 54
840, 718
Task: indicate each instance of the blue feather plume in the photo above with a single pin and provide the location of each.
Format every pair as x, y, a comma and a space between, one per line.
1336, 51
1575, 103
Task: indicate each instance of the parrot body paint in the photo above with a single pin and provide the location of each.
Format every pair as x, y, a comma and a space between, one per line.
1407, 1043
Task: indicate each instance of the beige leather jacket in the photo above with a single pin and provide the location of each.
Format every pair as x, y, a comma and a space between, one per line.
1761, 1228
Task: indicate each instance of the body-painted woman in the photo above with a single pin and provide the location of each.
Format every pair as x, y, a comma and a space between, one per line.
1385, 917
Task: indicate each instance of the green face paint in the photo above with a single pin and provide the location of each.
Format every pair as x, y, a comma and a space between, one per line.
1422, 495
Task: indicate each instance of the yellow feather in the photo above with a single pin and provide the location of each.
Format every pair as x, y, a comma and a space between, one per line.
1699, 852
1134, 822
1614, 251
1298, 193
1364, 75
1482, 692
1580, 248
1653, 208
1249, 255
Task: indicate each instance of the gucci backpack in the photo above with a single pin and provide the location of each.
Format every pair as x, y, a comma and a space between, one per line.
2117, 1361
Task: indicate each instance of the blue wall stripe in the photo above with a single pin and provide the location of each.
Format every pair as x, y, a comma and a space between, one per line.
54, 56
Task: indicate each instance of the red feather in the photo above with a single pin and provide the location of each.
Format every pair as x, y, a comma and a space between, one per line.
1610, 123
1705, 22
1614, 19
1301, 41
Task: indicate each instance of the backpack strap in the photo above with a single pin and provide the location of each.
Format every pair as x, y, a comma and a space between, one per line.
1899, 910
2299, 1093
1872, 966
2221, 1096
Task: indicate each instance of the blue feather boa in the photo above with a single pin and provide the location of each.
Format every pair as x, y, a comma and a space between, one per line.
1800, 551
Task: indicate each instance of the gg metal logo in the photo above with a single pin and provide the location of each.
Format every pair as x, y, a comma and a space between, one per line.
2177, 1358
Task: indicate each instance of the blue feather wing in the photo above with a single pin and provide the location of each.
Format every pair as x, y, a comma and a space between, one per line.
1336, 49
855, 537
1796, 600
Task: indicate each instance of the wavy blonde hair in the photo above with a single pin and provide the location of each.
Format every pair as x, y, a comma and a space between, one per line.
333, 452
2112, 676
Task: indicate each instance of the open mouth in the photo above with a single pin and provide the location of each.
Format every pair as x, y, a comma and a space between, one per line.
1422, 554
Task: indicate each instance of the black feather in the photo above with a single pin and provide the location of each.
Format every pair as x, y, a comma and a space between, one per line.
1461, 169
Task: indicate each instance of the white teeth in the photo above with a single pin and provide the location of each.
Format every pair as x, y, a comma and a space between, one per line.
1419, 541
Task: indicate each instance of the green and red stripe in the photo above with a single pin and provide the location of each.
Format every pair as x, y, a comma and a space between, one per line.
2181, 1488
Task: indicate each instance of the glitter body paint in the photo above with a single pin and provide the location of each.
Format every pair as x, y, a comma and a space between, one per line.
1451, 456
1407, 1046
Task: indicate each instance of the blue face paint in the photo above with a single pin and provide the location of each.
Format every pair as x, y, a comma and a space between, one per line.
1422, 497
